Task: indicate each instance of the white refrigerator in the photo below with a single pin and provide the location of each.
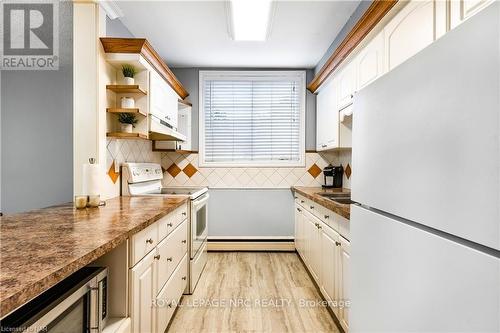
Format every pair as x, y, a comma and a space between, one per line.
425, 236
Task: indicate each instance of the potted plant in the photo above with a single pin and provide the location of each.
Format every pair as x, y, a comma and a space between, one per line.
127, 121
129, 72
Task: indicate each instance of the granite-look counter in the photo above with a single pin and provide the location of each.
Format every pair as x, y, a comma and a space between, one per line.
40, 248
313, 193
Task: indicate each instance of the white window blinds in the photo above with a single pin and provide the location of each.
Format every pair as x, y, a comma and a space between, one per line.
252, 118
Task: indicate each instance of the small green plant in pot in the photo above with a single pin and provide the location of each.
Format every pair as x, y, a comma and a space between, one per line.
127, 121
129, 72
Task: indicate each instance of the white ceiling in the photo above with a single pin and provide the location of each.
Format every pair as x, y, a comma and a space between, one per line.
195, 33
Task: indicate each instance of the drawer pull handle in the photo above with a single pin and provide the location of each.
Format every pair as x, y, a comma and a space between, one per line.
169, 305
312, 207
184, 213
298, 209
157, 257
184, 278
302, 201
337, 243
319, 226
150, 241
327, 216
184, 241
169, 259
170, 224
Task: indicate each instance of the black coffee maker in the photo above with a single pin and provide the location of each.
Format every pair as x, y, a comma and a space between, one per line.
333, 176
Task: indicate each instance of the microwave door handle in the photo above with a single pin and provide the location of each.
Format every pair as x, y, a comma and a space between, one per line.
94, 307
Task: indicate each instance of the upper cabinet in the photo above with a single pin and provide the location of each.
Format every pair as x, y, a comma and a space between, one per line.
163, 101
461, 10
411, 30
327, 122
346, 85
370, 61
410, 27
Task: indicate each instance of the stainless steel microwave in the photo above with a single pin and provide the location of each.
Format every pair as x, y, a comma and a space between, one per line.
77, 304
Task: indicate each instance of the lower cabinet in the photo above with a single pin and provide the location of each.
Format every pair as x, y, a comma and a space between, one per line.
158, 280
142, 294
326, 254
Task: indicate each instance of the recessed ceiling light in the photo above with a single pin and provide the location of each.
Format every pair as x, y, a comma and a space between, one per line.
250, 19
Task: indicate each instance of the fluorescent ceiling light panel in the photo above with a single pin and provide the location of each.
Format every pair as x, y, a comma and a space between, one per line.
250, 19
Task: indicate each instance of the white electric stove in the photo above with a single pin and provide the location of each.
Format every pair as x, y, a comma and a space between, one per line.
144, 179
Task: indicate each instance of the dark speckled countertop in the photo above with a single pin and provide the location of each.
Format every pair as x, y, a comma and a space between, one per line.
40, 248
313, 193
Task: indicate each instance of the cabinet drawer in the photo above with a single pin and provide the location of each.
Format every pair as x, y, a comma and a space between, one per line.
143, 242
170, 222
171, 251
170, 294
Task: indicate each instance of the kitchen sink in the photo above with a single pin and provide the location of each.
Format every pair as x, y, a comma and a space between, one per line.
335, 195
341, 198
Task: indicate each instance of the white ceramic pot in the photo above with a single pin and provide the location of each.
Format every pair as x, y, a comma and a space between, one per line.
128, 80
126, 128
127, 102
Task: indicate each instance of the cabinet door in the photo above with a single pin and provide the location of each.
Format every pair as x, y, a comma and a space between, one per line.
171, 106
314, 245
411, 30
329, 264
346, 85
163, 100
370, 61
344, 278
327, 122
142, 294
298, 229
461, 10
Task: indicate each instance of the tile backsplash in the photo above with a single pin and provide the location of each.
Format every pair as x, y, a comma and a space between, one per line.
181, 169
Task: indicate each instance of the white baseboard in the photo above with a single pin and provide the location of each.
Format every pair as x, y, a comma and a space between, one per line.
286, 246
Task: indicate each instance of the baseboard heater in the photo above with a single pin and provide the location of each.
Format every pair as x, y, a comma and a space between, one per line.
251, 244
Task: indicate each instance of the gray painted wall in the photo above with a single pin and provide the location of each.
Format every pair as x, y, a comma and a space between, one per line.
115, 28
250, 212
360, 10
37, 130
189, 78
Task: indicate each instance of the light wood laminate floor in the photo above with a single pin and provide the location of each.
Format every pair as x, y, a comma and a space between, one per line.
233, 289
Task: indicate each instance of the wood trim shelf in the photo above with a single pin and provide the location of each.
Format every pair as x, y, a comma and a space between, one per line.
126, 89
377, 10
121, 135
141, 46
126, 110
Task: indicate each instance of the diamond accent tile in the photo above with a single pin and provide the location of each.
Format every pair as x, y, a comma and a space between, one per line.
112, 174
314, 170
190, 170
348, 171
173, 170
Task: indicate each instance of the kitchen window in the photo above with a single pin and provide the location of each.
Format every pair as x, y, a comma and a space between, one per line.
252, 118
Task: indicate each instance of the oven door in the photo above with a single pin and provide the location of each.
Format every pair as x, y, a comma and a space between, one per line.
199, 225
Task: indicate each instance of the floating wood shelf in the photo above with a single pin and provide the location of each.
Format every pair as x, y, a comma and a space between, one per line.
120, 135
126, 89
126, 110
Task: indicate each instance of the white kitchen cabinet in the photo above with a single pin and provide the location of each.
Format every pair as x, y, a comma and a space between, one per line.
347, 85
151, 277
142, 294
329, 264
461, 10
327, 121
370, 61
163, 100
412, 29
325, 252
344, 259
